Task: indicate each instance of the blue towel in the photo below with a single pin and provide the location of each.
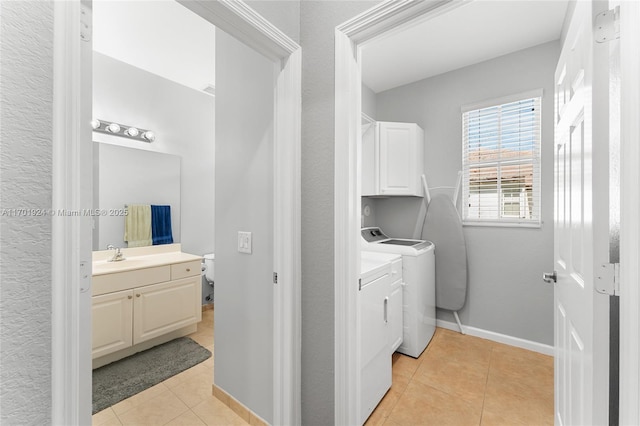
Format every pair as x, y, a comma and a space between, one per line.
161, 225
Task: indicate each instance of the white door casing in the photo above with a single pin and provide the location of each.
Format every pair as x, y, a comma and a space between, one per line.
72, 189
630, 206
384, 18
581, 315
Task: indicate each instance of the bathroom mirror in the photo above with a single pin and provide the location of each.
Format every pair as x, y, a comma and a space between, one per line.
124, 176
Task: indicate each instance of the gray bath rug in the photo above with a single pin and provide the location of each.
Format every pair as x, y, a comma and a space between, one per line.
124, 378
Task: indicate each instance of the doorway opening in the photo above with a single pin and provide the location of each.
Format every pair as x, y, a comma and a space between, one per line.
409, 101
73, 166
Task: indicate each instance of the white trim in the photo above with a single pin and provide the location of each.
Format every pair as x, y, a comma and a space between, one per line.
378, 21
346, 234
499, 338
504, 224
287, 217
537, 93
71, 239
629, 208
242, 22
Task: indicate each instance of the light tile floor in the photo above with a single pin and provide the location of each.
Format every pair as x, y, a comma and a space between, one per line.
458, 380
464, 380
185, 399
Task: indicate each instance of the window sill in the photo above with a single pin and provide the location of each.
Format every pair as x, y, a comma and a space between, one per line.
502, 224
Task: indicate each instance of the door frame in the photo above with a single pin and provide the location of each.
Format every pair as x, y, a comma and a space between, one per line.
72, 171
629, 208
394, 15
383, 19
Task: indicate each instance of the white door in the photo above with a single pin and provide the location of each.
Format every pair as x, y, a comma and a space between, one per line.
579, 397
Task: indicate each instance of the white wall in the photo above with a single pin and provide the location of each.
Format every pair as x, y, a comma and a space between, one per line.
26, 85
159, 36
244, 202
506, 294
183, 120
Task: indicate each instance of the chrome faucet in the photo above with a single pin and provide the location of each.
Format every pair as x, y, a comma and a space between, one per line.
117, 256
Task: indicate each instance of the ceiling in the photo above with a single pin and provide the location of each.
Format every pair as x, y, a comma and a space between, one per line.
473, 32
159, 36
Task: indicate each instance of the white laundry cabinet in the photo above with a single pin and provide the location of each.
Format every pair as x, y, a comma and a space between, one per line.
392, 159
381, 327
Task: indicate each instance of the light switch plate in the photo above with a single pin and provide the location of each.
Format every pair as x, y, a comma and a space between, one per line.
244, 242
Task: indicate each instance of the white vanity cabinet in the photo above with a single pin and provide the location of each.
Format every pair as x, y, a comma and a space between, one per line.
161, 308
392, 159
138, 308
112, 319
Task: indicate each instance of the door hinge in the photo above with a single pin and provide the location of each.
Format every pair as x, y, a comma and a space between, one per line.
275, 278
86, 29
607, 26
608, 279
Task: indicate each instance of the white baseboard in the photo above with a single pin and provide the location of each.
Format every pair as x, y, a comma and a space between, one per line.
497, 337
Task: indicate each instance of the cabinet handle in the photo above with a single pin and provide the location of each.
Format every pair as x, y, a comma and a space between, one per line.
386, 305
138, 295
188, 269
129, 297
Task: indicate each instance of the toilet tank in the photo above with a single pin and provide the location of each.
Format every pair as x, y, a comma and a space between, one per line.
208, 261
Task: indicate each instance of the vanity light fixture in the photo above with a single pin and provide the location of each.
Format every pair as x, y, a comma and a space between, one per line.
132, 131
113, 128
123, 130
149, 135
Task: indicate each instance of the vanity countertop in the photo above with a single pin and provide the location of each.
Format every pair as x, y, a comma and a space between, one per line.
140, 258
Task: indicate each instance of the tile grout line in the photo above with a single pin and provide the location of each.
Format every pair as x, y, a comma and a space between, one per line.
486, 383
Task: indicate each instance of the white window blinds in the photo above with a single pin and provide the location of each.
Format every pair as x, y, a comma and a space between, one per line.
501, 163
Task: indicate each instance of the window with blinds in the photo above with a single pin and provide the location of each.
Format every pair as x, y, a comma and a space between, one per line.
501, 163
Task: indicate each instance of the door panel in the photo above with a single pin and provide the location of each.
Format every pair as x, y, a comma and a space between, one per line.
573, 226
112, 322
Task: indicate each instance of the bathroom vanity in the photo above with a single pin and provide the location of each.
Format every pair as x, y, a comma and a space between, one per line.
151, 297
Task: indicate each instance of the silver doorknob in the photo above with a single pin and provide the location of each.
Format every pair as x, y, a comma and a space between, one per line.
550, 277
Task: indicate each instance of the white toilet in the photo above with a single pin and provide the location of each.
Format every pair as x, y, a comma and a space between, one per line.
208, 267
207, 274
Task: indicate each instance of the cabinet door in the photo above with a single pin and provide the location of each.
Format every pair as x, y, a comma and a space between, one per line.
398, 147
161, 308
112, 322
375, 354
395, 315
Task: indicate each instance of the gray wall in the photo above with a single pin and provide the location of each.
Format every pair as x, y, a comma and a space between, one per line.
317, 29
26, 78
505, 294
244, 202
369, 103
134, 176
183, 120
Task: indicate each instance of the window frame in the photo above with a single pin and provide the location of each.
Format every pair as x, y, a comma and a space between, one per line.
535, 161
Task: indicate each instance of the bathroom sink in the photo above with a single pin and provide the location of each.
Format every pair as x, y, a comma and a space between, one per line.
105, 267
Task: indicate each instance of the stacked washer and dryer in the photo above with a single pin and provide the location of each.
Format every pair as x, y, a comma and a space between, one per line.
419, 288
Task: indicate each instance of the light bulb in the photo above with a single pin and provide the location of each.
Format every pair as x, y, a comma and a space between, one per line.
95, 124
113, 128
149, 135
132, 131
